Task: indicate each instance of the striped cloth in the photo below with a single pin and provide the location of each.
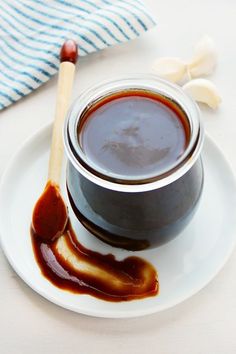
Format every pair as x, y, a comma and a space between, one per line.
32, 31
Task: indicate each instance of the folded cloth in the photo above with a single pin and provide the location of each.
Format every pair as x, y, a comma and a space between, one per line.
32, 31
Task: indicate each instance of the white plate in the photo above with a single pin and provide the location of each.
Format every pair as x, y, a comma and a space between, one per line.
185, 265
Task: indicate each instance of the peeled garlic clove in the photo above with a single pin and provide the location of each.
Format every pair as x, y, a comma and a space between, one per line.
204, 59
172, 69
202, 90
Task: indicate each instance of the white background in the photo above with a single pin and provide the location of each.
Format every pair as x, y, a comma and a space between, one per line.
206, 323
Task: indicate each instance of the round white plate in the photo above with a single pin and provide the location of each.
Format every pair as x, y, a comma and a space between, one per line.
185, 265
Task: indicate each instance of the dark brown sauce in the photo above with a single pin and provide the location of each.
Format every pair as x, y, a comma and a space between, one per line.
106, 236
50, 214
101, 276
134, 133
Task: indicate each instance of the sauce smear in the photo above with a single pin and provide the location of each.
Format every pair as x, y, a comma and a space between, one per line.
70, 266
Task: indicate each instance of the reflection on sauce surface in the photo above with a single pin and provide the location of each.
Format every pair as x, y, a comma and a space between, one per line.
71, 266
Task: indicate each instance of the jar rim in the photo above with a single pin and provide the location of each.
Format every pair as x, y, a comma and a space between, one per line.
117, 182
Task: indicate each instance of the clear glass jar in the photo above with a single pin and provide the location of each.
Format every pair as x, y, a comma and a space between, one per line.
134, 212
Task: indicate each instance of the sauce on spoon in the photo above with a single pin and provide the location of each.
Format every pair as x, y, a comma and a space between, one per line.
50, 214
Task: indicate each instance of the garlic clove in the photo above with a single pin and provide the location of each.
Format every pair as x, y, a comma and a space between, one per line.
172, 69
204, 59
202, 90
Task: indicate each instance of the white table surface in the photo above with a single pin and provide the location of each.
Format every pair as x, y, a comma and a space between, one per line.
205, 323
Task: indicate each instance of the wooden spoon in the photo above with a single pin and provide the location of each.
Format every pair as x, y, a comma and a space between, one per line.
50, 214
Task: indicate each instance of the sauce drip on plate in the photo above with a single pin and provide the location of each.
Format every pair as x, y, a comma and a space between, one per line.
67, 264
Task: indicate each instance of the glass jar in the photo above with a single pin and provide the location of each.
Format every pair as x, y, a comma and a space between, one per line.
127, 212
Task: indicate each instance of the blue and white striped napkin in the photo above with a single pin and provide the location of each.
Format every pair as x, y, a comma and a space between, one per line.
32, 31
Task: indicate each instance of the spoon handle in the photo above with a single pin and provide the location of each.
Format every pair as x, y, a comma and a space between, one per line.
65, 82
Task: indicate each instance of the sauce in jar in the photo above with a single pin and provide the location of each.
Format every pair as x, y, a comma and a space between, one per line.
133, 134
134, 175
